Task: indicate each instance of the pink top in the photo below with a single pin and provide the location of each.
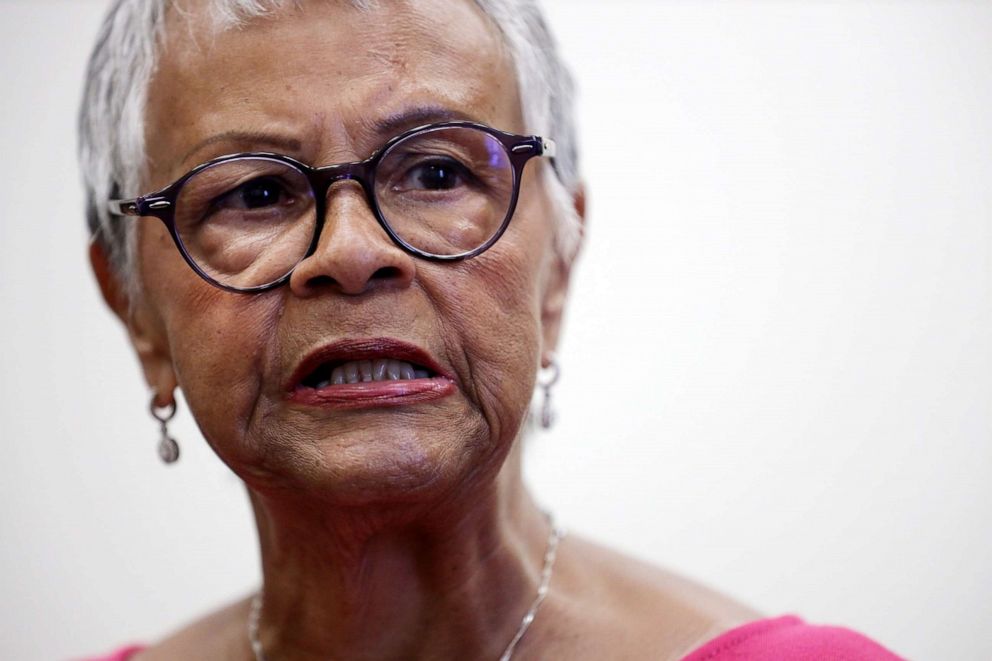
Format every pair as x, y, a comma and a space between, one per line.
785, 638
120, 655
789, 638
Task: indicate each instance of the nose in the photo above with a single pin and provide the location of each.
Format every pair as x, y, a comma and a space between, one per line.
354, 254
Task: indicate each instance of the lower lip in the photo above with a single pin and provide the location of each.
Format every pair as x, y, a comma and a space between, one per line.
374, 394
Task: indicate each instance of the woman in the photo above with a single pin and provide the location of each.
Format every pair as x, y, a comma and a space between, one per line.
327, 267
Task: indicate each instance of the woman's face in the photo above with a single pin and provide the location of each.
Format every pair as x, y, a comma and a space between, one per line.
329, 84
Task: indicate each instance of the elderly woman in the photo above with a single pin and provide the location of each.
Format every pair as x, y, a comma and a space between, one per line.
345, 229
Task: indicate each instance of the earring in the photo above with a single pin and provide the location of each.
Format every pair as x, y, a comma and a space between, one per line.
168, 449
548, 415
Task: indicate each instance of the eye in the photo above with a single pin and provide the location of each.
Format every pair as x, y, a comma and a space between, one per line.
433, 175
255, 194
243, 191
436, 176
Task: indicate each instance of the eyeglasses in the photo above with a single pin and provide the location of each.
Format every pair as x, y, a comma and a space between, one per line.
442, 192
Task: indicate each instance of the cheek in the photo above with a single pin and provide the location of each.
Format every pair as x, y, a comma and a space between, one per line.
219, 349
218, 341
491, 318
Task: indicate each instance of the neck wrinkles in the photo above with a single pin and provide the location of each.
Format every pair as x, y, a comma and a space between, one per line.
442, 580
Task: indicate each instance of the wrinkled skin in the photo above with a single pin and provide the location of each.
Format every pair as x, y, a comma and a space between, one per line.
481, 319
400, 532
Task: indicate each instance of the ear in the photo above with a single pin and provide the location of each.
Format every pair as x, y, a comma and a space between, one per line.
556, 292
144, 327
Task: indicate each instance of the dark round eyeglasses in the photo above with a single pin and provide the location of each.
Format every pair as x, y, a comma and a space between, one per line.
441, 192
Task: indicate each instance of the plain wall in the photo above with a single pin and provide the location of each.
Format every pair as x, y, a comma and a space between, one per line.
777, 364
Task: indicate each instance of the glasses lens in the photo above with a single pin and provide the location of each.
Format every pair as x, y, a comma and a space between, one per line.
445, 191
246, 222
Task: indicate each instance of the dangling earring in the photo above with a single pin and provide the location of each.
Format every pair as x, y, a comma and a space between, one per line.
548, 415
168, 449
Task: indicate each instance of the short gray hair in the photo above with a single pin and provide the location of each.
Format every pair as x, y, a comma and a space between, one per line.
111, 119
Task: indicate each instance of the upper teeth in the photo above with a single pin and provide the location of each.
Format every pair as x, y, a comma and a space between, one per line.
382, 369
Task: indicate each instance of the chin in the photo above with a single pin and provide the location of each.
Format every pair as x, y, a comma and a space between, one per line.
371, 464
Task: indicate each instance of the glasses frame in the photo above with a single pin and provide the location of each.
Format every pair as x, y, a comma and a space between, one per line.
162, 204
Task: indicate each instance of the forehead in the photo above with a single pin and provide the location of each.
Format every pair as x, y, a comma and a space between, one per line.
324, 77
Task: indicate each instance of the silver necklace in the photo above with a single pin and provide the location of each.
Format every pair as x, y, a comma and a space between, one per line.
550, 553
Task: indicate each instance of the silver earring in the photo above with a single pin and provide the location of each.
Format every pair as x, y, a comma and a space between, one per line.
168, 449
548, 415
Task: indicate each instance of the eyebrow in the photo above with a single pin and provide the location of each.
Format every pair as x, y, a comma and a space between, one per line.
416, 116
253, 138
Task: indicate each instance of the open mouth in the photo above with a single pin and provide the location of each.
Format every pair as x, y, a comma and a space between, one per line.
337, 373
368, 373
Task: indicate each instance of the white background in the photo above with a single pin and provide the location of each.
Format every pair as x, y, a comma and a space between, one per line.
777, 369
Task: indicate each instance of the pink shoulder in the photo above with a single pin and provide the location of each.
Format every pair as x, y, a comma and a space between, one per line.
122, 654
788, 637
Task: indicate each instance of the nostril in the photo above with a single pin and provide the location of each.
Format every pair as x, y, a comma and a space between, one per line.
383, 274
388, 273
320, 281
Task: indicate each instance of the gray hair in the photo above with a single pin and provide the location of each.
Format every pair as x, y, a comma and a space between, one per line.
111, 119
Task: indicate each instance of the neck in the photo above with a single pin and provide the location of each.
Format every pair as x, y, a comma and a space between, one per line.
448, 580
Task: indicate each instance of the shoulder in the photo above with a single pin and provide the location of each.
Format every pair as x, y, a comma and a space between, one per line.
218, 635
635, 609
788, 637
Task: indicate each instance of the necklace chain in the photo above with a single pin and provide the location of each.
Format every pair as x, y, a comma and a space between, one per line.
550, 553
